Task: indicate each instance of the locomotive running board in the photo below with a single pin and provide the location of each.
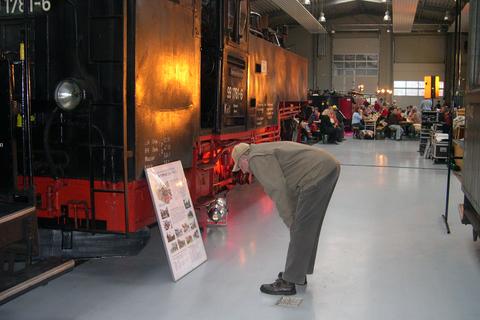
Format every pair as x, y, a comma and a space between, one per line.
36, 275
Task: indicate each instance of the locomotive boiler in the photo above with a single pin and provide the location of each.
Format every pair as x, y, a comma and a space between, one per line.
95, 91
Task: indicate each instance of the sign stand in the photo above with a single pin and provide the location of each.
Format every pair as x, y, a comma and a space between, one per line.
176, 218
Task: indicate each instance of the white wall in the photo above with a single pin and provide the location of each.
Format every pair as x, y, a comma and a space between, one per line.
351, 43
416, 56
305, 44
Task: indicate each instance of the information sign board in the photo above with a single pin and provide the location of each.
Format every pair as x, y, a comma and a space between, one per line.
176, 218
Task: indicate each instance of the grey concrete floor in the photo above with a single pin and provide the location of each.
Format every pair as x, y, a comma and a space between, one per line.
383, 254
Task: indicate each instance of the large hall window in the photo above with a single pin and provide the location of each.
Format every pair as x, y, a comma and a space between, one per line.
355, 64
411, 88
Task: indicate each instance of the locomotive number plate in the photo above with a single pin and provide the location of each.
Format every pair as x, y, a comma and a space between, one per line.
15, 7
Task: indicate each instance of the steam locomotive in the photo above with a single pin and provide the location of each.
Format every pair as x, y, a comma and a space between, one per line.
94, 91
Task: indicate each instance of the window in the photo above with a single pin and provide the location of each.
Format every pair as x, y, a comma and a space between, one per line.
411, 88
237, 19
355, 65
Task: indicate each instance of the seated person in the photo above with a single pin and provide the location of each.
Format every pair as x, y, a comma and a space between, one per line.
338, 121
357, 121
394, 124
416, 119
303, 127
446, 118
326, 127
385, 112
336, 124
314, 117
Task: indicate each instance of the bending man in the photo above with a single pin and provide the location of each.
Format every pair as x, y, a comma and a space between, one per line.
300, 180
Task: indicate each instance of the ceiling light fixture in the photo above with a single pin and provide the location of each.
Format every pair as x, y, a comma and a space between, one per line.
322, 17
447, 16
306, 2
387, 16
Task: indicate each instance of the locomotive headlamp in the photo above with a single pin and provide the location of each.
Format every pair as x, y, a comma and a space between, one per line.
69, 94
217, 210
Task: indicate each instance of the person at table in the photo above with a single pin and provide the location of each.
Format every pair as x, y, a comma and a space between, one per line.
340, 121
327, 127
314, 121
394, 124
407, 112
400, 114
357, 119
385, 112
415, 119
446, 118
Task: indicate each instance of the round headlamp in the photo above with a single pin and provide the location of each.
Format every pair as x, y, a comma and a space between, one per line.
69, 94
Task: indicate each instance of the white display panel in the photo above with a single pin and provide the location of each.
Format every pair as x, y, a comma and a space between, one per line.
176, 218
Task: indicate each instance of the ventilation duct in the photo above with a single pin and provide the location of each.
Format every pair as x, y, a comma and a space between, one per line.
403, 15
298, 12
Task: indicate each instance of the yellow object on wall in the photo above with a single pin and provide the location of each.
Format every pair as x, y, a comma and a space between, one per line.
428, 87
432, 87
437, 86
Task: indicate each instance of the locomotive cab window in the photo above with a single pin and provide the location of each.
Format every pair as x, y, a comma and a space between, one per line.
237, 20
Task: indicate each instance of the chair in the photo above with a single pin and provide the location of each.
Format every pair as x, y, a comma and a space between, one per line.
356, 131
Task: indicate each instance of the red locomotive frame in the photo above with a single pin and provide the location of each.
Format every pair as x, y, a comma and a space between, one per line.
210, 173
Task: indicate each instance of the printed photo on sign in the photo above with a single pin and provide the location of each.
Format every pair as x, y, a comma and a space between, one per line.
178, 232
174, 247
165, 193
170, 236
181, 243
164, 213
193, 225
167, 224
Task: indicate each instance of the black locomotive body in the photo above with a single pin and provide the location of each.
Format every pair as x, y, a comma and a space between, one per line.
94, 91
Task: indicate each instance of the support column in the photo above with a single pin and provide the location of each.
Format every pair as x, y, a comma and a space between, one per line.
386, 60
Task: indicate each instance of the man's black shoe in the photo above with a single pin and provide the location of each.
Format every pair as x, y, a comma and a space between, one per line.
280, 276
279, 287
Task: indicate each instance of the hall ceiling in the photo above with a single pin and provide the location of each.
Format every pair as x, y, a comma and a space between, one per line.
365, 12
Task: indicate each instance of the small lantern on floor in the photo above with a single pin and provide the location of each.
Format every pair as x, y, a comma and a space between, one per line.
217, 211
